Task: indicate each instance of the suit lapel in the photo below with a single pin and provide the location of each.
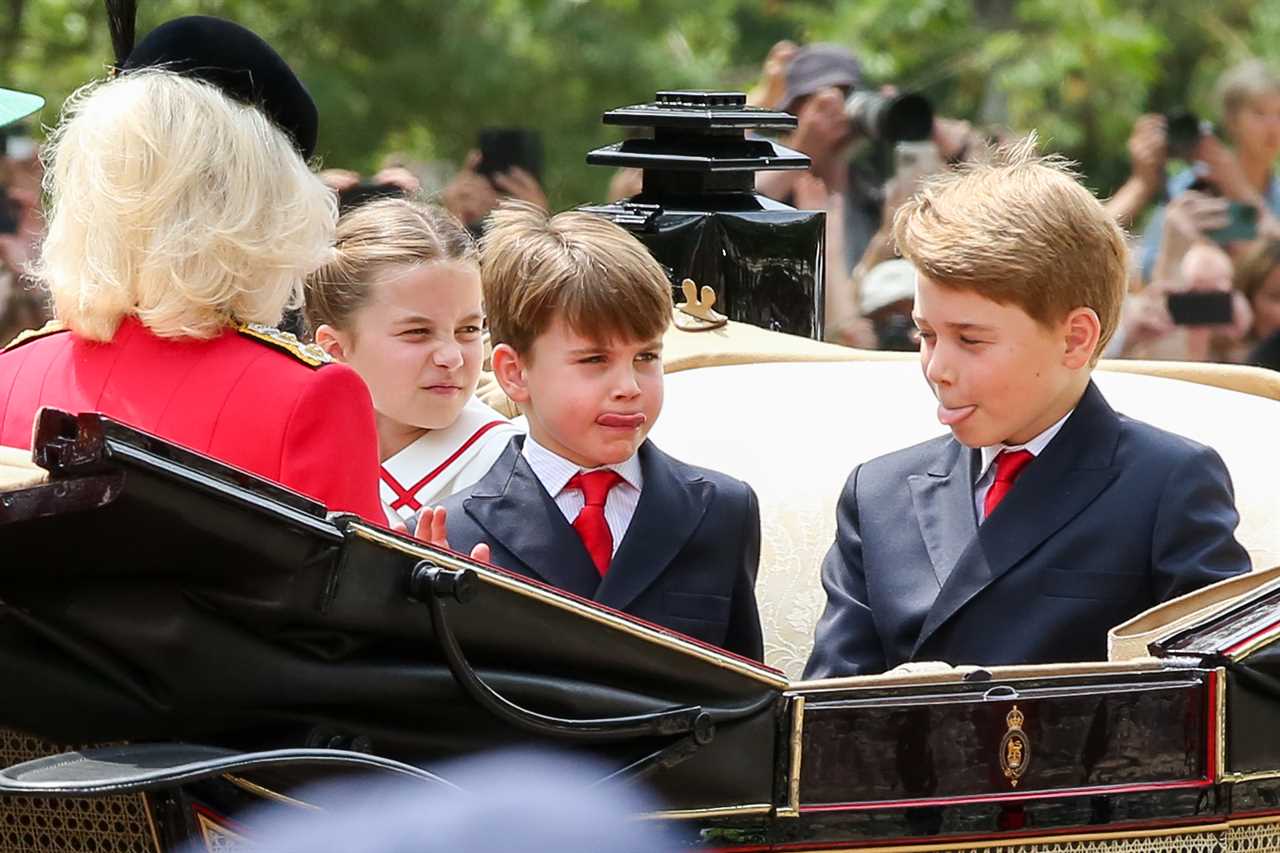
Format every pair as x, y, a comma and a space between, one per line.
672, 503
517, 513
1062, 481
943, 501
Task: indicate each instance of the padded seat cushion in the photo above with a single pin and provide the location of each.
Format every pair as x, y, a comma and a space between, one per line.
794, 431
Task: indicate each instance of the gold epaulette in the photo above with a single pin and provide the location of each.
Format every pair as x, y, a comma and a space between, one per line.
309, 354
50, 328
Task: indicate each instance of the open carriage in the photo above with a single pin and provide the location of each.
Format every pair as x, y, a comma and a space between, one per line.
231, 643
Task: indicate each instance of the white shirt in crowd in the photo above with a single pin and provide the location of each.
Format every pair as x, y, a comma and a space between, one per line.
554, 472
988, 476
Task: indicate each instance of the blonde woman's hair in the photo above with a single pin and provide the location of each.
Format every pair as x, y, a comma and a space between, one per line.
575, 266
1243, 83
172, 202
392, 232
1019, 230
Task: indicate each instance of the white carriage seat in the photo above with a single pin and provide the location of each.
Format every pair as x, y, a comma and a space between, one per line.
794, 431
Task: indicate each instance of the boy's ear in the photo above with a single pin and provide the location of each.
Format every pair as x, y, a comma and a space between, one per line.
509, 370
332, 342
1083, 331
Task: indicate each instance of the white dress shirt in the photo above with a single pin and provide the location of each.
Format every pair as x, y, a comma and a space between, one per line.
555, 472
988, 474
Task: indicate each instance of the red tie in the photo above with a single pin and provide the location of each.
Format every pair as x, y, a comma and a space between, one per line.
1009, 464
592, 528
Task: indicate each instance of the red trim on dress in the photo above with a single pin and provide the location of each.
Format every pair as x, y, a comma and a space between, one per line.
405, 497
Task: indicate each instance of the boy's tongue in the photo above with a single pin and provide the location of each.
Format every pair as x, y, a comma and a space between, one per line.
621, 421
950, 417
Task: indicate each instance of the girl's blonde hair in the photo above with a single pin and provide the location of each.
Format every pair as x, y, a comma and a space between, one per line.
170, 201
392, 232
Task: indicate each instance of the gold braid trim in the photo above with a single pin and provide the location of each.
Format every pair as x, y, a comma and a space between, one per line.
308, 354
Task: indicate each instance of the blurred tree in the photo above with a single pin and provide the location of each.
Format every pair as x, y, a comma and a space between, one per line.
1079, 73
421, 77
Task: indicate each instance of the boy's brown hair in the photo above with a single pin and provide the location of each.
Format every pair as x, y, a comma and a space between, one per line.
578, 266
1019, 230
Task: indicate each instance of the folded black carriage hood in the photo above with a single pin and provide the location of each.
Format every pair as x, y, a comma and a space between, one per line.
151, 593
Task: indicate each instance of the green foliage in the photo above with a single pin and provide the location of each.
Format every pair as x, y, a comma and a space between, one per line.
1078, 73
421, 77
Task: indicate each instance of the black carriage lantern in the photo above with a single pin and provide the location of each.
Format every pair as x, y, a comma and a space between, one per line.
699, 213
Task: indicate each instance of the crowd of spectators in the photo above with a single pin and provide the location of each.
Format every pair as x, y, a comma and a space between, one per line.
1204, 212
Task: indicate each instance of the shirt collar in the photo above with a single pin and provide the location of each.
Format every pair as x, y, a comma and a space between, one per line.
555, 472
1035, 446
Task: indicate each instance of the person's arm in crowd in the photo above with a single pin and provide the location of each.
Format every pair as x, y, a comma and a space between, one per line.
1221, 168
1147, 154
768, 92
470, 196
1185, 221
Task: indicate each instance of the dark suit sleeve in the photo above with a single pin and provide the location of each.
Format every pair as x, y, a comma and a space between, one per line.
744, 636
846, 641
1194, 541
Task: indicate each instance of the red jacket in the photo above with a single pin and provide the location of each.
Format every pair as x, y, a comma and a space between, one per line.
253, 398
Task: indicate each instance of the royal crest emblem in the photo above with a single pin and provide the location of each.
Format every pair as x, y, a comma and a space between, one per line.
1015, 748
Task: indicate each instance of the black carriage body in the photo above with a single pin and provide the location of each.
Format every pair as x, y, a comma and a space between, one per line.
154, 595
699, 213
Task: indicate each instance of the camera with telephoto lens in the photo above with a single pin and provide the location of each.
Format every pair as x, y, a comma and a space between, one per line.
897, 118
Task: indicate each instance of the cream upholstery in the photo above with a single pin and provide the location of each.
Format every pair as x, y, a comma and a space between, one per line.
1131, 640
17, 471
795, 430
740, 343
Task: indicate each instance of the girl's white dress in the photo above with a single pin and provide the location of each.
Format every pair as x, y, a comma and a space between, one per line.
444, 461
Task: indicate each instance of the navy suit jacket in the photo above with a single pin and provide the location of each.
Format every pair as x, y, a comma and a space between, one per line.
1113, 517
687, 561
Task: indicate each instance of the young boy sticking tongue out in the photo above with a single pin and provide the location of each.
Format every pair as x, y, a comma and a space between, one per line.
1044, 518
577, 308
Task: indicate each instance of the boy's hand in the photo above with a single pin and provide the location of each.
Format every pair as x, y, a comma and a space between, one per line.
433, 528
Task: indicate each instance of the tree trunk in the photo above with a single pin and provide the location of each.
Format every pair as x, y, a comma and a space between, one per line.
9, 36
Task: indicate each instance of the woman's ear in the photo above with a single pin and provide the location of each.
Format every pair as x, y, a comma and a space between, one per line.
1083, 331
333, 342
509, 370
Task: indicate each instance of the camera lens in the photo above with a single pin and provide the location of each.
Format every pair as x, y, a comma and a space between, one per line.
903, 118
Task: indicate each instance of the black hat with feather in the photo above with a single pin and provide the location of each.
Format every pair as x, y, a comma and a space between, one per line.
225, 55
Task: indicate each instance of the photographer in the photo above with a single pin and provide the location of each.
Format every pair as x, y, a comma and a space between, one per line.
1249, 99
819, 83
